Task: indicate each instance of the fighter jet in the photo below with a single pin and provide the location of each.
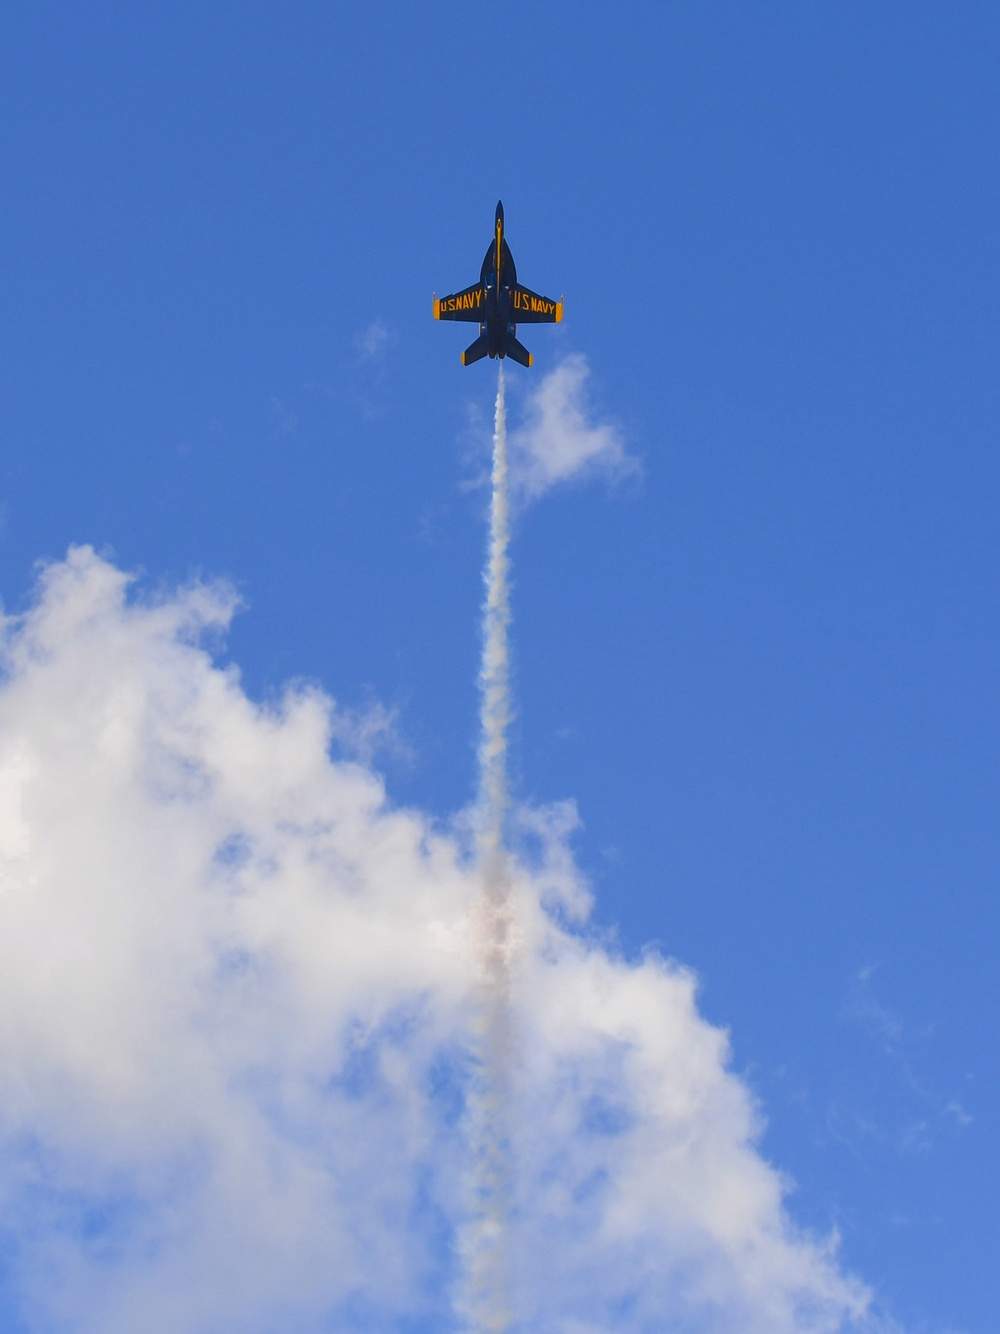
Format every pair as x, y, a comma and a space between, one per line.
498, 303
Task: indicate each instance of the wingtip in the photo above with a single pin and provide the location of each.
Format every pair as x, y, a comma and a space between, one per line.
437, 309
559, 312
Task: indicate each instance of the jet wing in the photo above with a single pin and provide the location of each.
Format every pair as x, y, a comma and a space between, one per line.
469, 305
528, 307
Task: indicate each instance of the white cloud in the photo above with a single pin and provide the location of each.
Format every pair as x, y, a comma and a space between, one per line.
374, 340
558, 441
234, 1027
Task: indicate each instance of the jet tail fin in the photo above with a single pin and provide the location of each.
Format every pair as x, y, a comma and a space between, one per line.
476, 351
518, 352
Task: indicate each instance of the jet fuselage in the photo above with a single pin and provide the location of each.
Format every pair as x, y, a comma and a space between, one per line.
498, 303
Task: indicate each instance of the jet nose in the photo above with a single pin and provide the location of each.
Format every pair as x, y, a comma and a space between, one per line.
499, 216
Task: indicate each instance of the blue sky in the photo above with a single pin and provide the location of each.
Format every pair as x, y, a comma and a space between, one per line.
764, 669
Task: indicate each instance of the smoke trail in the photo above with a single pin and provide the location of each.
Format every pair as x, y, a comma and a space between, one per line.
487, 1302
494, 674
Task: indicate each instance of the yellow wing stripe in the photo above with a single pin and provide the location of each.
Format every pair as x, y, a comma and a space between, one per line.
558, 312
437, 309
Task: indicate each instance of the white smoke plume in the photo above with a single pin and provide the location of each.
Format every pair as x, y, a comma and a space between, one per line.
486, 1302
235, 1032
558, 440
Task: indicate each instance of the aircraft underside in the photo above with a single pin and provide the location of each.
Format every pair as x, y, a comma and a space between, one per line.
498, 303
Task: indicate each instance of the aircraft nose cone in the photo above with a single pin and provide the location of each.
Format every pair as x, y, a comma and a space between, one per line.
499, 217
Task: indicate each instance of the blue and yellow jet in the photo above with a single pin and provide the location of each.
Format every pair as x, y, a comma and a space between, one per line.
498, 303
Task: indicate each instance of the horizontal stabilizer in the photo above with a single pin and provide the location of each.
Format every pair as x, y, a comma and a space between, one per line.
517, 351
476, 351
